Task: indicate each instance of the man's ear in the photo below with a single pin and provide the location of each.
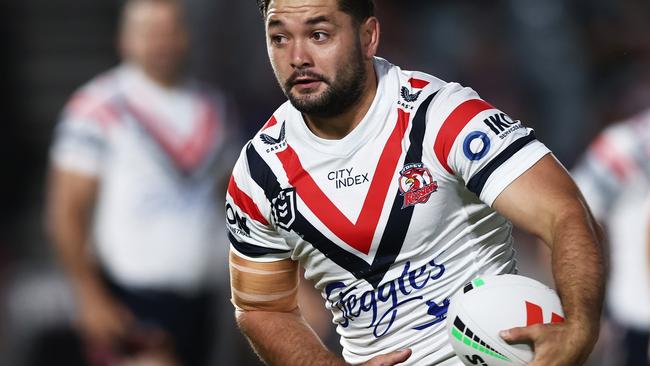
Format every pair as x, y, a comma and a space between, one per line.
369, 36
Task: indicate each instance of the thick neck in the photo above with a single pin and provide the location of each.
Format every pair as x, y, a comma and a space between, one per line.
167, 81
337, 127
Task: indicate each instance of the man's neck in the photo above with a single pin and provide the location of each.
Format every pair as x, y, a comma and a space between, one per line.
337, 127
164, 81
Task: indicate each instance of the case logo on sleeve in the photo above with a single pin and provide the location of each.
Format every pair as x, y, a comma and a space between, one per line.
409, 94
275, 143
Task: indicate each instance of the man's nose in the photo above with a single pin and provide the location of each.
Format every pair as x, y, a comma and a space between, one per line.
300, 56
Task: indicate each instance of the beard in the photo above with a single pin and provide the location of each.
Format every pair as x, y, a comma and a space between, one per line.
340, 93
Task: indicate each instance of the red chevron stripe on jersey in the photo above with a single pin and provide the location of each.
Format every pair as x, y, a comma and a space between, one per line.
88, 107
606, 153
189, 152
270, 123
418, 83
452, 126
245, 203
358, 235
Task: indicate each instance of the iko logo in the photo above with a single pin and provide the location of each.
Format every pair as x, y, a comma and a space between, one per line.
502, 125
233, 218
535, 315
275, 143
284, 208
475, 149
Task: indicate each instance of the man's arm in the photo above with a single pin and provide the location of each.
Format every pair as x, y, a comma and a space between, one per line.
70, 203
545, 202
265, 296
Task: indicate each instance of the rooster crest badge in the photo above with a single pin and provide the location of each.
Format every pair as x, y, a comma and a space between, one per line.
416, 184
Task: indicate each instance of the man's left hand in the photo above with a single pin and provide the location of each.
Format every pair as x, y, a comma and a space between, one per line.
559, 344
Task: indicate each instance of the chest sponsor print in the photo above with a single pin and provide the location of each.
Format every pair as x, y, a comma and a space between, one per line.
347, 177
385, 304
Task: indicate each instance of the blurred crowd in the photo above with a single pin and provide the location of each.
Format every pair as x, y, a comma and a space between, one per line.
569, 69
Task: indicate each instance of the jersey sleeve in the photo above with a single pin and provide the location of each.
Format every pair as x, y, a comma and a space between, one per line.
601, 174
80, 140
481, 145
249, 220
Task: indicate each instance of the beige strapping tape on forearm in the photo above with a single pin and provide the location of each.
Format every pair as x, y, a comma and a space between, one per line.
271, 286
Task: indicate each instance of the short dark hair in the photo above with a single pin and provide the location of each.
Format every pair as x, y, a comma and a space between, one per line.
360, 10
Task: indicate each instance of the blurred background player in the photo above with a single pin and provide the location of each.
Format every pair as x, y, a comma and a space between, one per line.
614, 176
132, 202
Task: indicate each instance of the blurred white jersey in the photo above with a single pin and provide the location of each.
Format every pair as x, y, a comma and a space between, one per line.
387, 221
156, 152
614, 177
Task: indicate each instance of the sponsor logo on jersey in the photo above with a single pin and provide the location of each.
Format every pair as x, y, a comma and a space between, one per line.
409, 94
409, 97
476, 145
275, 143
386, 302
284, 208
416, 184
502, 125
237, 224
346, 178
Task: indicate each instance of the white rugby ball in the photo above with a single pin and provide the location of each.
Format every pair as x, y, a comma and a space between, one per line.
489, 304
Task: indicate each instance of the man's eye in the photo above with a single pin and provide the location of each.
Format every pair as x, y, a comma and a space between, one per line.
278, 39
319, 36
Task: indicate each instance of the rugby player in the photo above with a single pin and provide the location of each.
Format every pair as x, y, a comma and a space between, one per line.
392, 189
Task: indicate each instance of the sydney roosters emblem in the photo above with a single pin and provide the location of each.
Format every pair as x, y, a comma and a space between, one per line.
416, 184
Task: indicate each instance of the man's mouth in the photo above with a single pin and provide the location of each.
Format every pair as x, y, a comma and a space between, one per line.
306, 83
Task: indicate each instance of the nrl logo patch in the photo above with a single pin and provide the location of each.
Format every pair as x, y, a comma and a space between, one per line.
416, 184
284, 208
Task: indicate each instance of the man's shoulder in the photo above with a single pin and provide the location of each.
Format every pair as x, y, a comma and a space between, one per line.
276, 121
96, 96
413, 85
271, 135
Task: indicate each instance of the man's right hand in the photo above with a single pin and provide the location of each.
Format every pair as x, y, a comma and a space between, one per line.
101, 318
389, 359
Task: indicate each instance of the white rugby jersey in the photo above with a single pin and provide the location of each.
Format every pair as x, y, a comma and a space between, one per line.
392, 219
157, 153
614, 176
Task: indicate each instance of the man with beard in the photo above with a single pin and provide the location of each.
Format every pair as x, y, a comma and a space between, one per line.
392, 189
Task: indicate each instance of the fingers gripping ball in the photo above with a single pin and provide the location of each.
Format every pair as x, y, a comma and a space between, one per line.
489, 304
